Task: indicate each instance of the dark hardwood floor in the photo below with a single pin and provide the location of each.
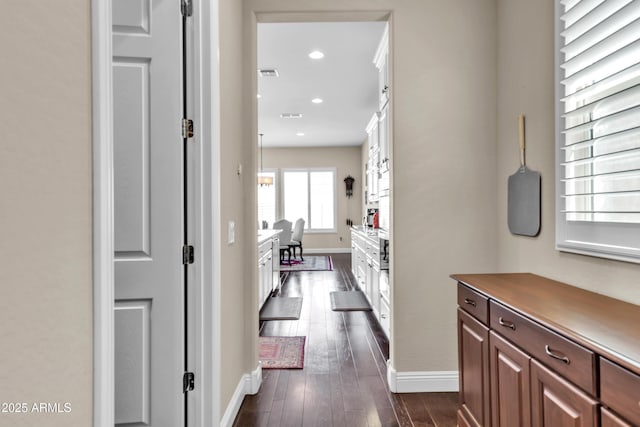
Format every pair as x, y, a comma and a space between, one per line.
343, 382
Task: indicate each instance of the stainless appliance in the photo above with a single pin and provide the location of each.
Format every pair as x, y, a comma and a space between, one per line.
384, 253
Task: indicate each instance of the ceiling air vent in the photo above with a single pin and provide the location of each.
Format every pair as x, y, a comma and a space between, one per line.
291, 115
268, 72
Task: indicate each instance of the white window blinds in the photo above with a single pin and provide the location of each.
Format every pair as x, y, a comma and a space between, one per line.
599, 124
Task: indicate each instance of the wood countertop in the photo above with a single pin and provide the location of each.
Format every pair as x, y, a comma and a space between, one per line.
607, 326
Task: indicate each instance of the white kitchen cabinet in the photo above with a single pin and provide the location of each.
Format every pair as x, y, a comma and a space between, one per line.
381, 59
366, 267
383, 141
268, 269
373, 158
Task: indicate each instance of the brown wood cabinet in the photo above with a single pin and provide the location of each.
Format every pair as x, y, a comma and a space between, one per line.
473, 340
510, 384
608, 419
534, 352
557, 403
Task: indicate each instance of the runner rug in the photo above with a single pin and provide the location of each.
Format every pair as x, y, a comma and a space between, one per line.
310, 263
281, 352
349, 301
281, 308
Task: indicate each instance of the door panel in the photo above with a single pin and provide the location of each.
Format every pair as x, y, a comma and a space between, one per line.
131, 158
131, 16
132, 320
148, 218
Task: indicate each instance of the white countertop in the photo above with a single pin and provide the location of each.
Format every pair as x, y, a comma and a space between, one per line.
366, 231
266, 234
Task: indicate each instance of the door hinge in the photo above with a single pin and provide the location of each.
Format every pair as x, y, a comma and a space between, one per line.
187, 254
186, 7
188, 382
187, 128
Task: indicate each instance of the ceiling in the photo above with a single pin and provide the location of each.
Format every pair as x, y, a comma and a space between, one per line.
345, 79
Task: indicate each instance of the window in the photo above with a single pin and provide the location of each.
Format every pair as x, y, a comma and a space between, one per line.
310, 194
598, 141
267, 200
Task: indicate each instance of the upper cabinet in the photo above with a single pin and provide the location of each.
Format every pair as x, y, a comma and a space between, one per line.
374, 158
381, 60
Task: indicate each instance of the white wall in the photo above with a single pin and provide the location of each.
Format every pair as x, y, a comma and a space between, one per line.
526, 76
239, 315
45, 210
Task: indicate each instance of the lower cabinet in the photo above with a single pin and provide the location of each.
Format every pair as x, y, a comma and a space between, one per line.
265, 277
473, 355
557, 403
510, 384
609, 419
365, 266
516, 371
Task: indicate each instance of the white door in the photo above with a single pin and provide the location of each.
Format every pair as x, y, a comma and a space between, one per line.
148, 217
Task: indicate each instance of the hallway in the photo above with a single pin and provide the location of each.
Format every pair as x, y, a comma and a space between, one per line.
343, 382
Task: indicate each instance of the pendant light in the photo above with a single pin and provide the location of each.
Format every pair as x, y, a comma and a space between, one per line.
263, 180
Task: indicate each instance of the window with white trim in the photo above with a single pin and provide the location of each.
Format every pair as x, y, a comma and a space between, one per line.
310, 194
598, 125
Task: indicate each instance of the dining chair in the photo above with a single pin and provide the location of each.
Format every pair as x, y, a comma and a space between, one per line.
296, 237
284, 238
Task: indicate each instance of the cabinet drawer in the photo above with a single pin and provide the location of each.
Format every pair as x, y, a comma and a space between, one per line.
473, 303
620, 390
574, 362
264, 248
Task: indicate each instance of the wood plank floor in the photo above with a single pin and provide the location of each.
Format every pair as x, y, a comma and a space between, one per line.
343, 382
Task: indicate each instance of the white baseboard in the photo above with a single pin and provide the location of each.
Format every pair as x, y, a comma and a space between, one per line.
421, 381
248, 384
328, 251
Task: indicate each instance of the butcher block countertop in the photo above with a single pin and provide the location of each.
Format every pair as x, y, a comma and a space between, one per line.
607, 326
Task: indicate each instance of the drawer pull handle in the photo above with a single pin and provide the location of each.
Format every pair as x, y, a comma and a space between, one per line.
506, 323
559, 357
470, 302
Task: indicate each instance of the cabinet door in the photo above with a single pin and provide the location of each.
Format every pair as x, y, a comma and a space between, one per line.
557, 403
375, 288
261, 270
383, 140
354, 256
473, 360
611, 420
510, 384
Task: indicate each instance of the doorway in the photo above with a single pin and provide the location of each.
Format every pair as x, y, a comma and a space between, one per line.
302, 115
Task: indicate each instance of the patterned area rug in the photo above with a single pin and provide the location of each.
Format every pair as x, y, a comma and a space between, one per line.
310, 263
281, 352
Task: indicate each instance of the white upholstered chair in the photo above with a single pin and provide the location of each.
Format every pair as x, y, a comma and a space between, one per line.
296, 237
284, 237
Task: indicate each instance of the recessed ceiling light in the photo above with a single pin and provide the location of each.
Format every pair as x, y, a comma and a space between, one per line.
317, 100
300, 134
316, 54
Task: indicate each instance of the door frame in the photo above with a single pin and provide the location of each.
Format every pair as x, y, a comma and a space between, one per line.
204, 337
